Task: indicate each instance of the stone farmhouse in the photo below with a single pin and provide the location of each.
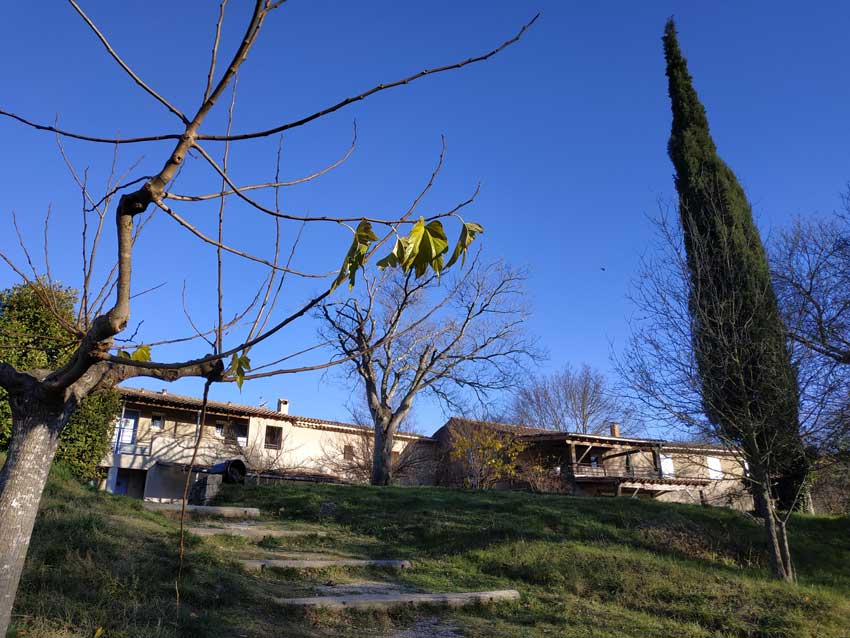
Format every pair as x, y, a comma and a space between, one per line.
157, 432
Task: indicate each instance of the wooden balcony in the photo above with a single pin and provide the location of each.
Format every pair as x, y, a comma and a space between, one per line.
586, 470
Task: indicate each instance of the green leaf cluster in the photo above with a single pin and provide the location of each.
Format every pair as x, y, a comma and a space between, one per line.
86, 438
32, 337
142, 353
424, 247
239, 365
364, 236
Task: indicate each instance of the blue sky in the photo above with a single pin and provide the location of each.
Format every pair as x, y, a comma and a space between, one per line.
566, 132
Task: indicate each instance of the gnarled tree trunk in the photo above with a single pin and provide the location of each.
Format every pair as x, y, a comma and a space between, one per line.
36, 427
382, 470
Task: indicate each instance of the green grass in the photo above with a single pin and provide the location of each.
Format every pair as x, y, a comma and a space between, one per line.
102, 561
585, 567
589, 567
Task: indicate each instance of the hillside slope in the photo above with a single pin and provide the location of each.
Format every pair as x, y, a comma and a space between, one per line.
591, 567
585, 567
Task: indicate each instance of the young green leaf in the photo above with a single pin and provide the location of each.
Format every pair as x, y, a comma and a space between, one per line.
363, 238
142, 353
394, 258
467, 235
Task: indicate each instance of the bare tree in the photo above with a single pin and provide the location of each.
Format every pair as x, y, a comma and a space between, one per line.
810, 262
811, 268
267, 457
405, 336
659, 371
351, 458
43, 400
567, 401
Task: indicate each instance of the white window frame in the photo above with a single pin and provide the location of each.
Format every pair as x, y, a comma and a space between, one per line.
668, 467
715, 468
126, 428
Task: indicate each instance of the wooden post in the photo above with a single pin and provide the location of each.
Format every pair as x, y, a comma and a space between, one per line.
572, 447
656, 460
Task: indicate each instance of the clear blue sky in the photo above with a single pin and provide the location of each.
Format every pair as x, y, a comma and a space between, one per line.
566, 132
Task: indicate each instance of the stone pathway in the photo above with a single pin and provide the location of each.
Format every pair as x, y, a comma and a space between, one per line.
390, 601
254, 532
261, 564
428, 628
205, 510
373, 595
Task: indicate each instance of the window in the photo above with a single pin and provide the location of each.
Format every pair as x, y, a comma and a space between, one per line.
157, 422
232, 432
667, 467
394, 458
274, 437
348, 453
124, 436
715, 471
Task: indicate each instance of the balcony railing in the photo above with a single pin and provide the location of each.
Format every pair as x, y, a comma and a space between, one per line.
132, 448
586, 470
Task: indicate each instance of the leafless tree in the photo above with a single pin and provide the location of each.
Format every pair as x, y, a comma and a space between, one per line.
262, 457
568, 400
811, 268
351, 458
810, 262
42, 400
405, 336
659, 371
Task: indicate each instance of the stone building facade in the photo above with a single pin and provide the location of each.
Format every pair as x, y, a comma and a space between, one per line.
157, 433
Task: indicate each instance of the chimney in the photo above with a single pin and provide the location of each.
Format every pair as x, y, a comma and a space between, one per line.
615, 429
283, 406
164, 392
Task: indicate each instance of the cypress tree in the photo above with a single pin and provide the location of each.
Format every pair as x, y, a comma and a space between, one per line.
748, 384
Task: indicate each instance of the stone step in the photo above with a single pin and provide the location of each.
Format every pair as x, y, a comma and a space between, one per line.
389, 601
261, 564
254, 532
205, 510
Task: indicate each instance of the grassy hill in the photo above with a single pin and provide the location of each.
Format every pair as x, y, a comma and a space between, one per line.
585, 567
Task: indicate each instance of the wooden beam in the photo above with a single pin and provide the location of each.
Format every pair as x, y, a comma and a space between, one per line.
626, 453
583, 454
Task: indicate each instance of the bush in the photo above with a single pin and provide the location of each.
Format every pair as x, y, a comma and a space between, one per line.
87, 435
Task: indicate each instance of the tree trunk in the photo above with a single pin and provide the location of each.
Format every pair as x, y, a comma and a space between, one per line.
775, 540
382, 471
785, 550
35, 436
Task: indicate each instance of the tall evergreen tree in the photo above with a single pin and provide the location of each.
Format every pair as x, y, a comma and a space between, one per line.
749, 387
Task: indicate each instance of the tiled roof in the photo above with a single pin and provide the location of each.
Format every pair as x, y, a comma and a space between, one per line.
167, 399
503, 427
539, 434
